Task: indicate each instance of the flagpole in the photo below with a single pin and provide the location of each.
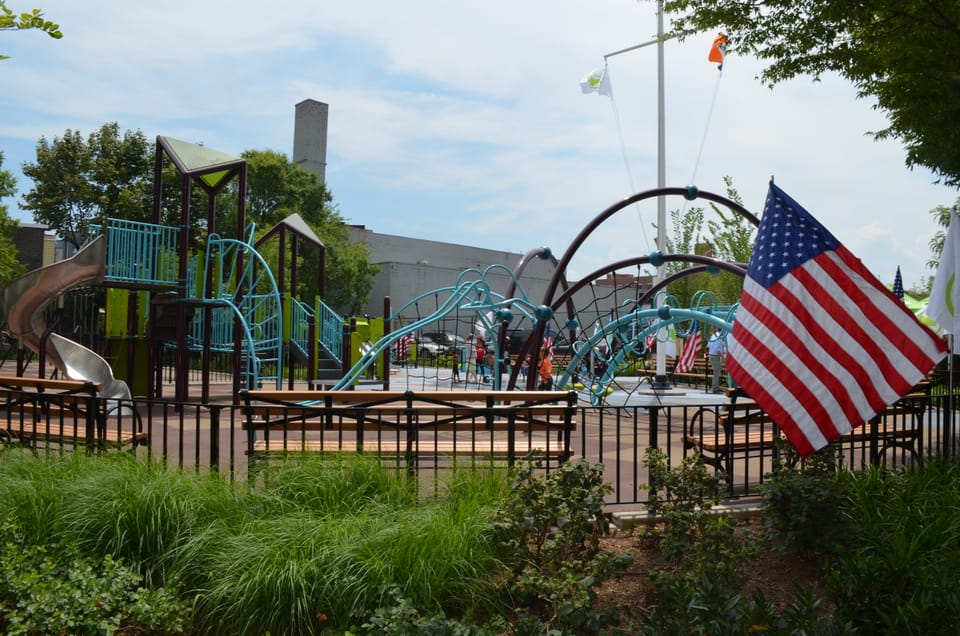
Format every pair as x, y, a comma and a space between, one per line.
660, 381
948, 436
660, 378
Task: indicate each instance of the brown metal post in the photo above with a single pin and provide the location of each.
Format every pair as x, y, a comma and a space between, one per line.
311, 350
182, 364
387, 330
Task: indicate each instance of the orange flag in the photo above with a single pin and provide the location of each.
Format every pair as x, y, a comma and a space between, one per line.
718, 49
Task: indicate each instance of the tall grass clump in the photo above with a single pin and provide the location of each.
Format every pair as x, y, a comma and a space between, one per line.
331, 484
33, 490
121, 506
900, 573
333, 550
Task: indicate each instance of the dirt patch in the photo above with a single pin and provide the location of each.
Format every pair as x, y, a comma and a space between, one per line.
778, 574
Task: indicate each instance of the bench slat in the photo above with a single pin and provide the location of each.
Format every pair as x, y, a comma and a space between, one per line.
744, 429
69, 433
41, 410
394, 447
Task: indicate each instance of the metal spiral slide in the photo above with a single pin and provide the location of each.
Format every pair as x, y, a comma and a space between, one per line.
23, 301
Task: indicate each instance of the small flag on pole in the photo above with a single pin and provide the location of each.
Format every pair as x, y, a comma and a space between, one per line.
898, 284
819, 343
691, 349
597, 82
719, 50
402, 346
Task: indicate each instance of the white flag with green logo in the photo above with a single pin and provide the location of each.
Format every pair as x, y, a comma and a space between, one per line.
597, 82
944, 305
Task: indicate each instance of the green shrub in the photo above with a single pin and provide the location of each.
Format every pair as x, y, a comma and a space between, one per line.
403, 619
703, 605
52, 590
803, 500
901, 572
553, 525
689, 532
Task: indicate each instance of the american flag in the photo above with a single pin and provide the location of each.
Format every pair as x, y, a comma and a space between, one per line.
547, 342
818, 341
691, 349
402, 346
898, 284
651, 338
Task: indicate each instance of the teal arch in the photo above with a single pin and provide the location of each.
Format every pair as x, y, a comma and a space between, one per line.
258, 314
467, 295
652, 320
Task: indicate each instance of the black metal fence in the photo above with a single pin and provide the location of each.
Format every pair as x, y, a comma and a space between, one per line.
214, 437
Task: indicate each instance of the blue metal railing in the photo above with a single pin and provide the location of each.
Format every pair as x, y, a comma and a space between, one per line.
330, 330
260, 313
140, 252
300, 316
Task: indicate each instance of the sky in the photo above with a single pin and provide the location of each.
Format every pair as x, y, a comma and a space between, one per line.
465, 122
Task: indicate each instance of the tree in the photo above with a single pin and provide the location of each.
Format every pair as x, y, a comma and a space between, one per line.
732, 238
902, 53
33, 20
77, 182
729, 238
10, 266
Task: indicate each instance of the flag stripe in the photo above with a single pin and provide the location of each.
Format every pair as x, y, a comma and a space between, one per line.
777, 401
910, 352
845, 327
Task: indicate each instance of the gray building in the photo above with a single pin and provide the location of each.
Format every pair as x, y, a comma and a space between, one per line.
410, 268
35, 247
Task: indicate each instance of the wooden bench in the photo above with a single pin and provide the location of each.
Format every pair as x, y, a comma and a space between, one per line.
700, 374
740, 429
409, 425
737, 428
43, 412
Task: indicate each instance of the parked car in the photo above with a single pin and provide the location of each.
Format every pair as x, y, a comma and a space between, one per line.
447, 341
428, 348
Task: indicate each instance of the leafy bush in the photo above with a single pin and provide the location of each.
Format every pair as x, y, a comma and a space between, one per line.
702, 595
52, 590
402, 619
689, 532
803, 500
553, 524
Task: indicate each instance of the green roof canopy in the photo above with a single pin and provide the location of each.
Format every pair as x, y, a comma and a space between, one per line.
210, 166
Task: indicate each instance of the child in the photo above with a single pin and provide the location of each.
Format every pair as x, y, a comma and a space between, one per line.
546, 372
481, 353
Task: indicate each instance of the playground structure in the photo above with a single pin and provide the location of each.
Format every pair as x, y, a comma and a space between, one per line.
164, 298
600, 341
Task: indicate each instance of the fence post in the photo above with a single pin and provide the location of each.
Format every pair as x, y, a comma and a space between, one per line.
215, 436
